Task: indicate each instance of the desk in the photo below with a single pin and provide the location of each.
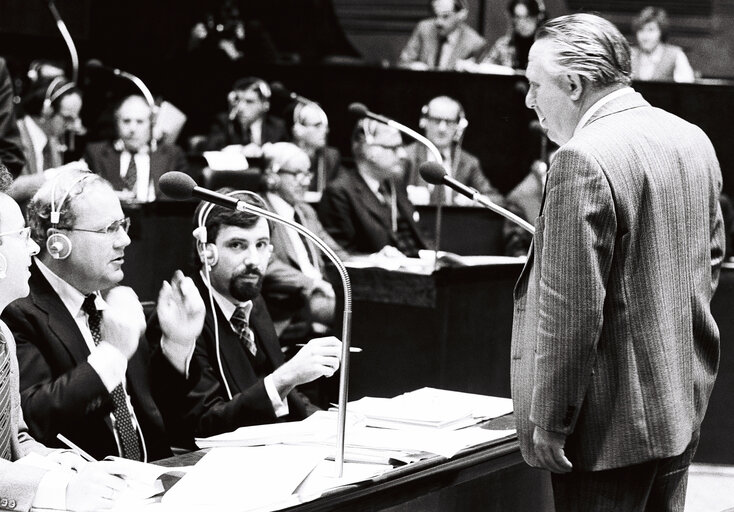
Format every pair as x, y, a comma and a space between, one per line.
490, 477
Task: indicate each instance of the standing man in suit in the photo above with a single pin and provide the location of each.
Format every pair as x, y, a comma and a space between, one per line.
310, 129
615, 350
127, 162
237, 376
442, 41
248, 124
366, 210
443, 121
83, 372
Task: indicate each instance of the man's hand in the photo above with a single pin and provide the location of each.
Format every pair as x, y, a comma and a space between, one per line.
93, 489
549, 450
319, 358
181, 314
123, 322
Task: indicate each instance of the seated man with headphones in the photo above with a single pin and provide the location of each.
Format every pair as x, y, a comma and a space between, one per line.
443, 122
84, 370
237, 376
52, 108
310, 130
287, 177
248, 124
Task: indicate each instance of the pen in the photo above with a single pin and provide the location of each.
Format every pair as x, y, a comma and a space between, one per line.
84, 455
355, 350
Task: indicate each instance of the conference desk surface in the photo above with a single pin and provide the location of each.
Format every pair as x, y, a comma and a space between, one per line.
488, 477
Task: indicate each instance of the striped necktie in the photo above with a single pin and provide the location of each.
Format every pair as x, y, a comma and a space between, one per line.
6, 430
241, 326
129, 438
131, 178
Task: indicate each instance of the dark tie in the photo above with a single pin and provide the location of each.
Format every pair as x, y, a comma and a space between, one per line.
131, 178
51, 155
5, 426
241, 327
123, 421
439, 51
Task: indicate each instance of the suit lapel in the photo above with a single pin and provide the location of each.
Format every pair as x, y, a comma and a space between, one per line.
262, 326
369, 201
60, 321
111, 164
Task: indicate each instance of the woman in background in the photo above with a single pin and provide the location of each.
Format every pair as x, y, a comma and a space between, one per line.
653, 58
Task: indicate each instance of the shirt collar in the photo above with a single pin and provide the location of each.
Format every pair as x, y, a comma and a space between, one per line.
281, 206
36, 133
70, 296
599, 104
226, 305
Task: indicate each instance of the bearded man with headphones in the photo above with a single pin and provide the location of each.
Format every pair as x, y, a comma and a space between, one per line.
443, 121
238, 376
84, 372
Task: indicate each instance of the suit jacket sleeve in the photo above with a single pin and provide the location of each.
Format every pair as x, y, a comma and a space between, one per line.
412, 50
577, 230
335, 212
11, 149
52, 405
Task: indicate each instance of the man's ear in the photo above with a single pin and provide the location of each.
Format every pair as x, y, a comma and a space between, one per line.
462, 14
574, 85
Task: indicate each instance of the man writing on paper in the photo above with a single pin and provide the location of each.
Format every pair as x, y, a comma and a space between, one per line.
615, 350
237, 376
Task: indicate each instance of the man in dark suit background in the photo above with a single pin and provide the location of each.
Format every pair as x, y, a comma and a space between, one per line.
83, 372
237, 376
248, 124
442, 41
614, 347
127, 162
366, 209
443, 121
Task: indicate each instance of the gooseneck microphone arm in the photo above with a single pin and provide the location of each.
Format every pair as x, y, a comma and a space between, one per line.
434, 173
67, 39
143, 90
178, 185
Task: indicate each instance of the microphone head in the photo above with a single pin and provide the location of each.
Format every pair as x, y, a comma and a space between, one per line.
94, 63
432, 172
177, 185
358, 109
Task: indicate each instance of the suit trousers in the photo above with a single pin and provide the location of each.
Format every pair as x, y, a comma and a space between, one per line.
657, 485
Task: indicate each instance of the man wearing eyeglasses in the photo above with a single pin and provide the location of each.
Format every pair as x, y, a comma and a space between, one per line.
443, 121
83, 372
366, 209
310, 130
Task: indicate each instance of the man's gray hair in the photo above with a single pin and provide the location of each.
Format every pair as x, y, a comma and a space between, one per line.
589, 46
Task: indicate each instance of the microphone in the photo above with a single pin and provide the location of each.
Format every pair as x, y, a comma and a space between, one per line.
435, 174
97, 64
178, 185
278, 88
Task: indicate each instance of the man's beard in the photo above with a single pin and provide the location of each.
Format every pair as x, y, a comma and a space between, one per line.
244, 290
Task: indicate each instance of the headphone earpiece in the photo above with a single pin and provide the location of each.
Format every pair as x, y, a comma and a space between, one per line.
3, 266
58, 245
209, 255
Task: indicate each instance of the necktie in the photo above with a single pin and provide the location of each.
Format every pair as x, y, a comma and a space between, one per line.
131, 178
439, 51
5, 426
123, 421
241, 327
51, 154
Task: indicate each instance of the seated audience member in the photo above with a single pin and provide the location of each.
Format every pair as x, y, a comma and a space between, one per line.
127, 162
511, 50
440, 42
83, 372
67, 482
366, 209
653, 58
11, 147
287, 178
310, 129
248, 125
51, 109
443, 121
237, 376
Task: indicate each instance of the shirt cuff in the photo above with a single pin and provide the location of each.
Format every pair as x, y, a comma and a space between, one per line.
279, 406
109, 363
51, 492
178, 355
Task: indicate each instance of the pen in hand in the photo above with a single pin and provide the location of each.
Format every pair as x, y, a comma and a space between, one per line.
84, 455
353, 350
